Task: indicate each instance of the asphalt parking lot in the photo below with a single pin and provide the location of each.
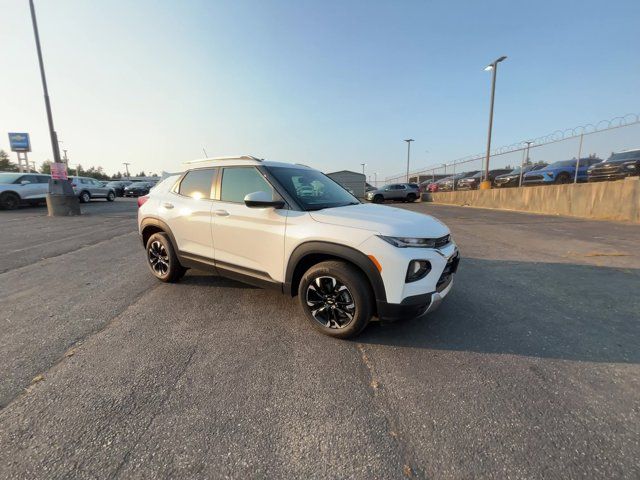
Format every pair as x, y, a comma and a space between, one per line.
530, 369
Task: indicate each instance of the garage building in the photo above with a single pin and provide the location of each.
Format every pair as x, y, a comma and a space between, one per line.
352, 181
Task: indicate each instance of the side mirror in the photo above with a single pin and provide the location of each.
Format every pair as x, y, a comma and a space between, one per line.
25, 182
262, 200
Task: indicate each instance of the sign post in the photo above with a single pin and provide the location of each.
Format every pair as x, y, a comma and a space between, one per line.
20, 144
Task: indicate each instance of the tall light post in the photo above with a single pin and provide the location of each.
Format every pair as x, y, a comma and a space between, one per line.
375, 177
525, 161
126, 166
493, 67
408, 140
364, 181
61, 201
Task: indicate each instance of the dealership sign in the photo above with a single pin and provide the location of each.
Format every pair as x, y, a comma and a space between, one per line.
19, 142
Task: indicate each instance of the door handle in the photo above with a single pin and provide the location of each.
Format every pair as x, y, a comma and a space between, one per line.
167, 205
221, 213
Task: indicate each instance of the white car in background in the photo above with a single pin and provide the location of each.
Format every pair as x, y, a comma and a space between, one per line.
22, 188
259, 222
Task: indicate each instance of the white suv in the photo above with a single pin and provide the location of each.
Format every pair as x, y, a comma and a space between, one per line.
291, 227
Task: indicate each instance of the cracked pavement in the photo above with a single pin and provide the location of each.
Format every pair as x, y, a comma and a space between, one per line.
529, 369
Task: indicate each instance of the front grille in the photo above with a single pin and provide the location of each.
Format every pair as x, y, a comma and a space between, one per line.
450, 268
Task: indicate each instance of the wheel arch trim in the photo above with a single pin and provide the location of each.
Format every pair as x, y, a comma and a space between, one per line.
339, 251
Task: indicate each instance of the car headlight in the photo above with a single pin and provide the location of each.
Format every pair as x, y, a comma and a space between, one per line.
406, 242
630, 166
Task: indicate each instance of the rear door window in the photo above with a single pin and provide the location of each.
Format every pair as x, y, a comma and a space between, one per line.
198, 183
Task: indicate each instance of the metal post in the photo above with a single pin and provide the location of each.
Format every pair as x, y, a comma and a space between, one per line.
408, 140
364, 181
52, 132
524, 161
494, 68
453, 180
575, 180
126, 166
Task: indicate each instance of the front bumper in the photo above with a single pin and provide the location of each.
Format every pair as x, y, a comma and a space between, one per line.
418, 305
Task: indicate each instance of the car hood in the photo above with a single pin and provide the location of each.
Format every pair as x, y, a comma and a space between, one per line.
382, 219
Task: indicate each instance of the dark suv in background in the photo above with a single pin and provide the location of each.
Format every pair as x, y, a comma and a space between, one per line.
451, 183
473, 182
512, 179
617, 166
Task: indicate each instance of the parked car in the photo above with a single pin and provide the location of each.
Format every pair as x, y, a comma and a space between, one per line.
118, 186
22, 188
473, 182
451, 183
137, 189
563, 171
617, 166
512, 179
430, 186
345, 260
87, 188
406, 192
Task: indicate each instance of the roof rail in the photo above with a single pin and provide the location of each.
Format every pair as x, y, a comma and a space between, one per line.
235, 157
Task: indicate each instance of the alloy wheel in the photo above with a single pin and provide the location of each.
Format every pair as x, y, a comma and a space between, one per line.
158, 258
330, 302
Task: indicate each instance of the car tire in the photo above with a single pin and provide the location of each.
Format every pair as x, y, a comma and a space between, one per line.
563, 178
378, 199
411, 197
162, 259
84, 197
341, 295
111, 197
9, 201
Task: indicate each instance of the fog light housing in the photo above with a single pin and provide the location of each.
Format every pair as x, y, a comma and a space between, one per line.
418, 269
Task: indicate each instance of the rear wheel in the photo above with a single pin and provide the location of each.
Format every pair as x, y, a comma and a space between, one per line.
378, 199
85, 197
563, 178
9, 201
411, 197
336, 298
111, 197
162, 259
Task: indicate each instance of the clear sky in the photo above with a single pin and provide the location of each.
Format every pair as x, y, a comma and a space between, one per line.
327, 83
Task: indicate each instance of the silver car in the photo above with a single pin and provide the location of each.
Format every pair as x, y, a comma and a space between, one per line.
406, 192
18, 188
87, 188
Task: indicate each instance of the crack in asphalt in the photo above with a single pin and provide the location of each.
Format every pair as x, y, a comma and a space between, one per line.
409, 469
156, 412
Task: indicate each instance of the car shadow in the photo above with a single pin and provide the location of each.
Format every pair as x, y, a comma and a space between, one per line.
545, 310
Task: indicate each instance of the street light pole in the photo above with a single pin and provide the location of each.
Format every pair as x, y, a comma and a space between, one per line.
61, 200
126, 166
494, 68
408, 140
364, 184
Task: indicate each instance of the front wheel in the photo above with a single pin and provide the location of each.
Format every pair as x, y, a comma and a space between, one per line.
378, 199
411, 197
9, 201
336, 298
162, 259
111, 197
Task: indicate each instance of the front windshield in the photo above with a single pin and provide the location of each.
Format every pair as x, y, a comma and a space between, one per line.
563, 163
6, 178
621, 157
312, 189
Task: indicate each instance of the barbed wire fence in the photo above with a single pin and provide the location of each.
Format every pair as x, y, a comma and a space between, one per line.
592, 139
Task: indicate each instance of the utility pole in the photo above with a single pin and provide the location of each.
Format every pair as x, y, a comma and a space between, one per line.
364, 180
408, 140
61, 201
126, 166
493, 67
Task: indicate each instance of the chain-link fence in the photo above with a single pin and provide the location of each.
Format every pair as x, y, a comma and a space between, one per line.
597, 140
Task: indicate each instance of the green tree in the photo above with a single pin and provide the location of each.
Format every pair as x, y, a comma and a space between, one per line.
141, 174
46, 167
6, 165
